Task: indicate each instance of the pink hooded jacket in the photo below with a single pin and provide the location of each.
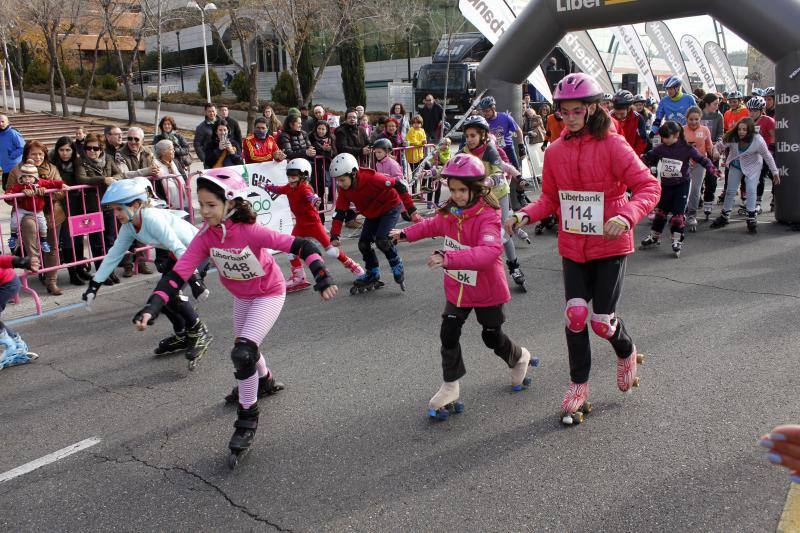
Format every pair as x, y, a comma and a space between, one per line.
390, 167
478, 229
583, 163
238, 236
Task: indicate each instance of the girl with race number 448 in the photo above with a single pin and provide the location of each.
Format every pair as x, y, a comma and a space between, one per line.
586, 174
240, 249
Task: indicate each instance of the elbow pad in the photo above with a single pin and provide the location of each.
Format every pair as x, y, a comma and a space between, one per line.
400, 187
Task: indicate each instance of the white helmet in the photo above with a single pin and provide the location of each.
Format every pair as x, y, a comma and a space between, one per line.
300, 165
343, 164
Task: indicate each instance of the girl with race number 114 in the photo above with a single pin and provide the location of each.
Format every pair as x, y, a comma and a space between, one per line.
584, 180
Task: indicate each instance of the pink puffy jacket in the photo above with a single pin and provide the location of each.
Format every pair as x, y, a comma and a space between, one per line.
477, 227
583, 163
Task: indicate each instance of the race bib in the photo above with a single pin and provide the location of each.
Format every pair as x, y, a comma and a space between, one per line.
582, 212
465, 277
240, 266
670, 168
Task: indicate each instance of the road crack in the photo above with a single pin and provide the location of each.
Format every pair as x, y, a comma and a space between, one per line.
103, 388
164, 469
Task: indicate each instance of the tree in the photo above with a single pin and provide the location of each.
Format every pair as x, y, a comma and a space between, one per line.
305, 70
12, 32
351, 59
216, 86
90, 85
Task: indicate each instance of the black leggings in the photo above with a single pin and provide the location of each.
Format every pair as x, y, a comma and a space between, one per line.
491, 319
599, 282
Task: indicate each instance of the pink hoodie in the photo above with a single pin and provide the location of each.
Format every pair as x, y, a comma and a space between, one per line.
227, 257
390, 167
477, 230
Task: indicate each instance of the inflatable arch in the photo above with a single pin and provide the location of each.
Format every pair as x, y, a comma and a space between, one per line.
770, 26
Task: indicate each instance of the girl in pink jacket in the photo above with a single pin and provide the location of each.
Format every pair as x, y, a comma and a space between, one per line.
240, 249
473, 277
585, 177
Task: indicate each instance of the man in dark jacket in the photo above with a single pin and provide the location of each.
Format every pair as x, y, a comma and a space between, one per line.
205, 130
234, 131
352, 140
432, 117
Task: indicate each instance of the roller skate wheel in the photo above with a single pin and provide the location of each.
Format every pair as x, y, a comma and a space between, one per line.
233, 460
636, 381
586, 408
523, 288
692, 229
578, 417
527, 381
458, 407
403, 286
192, 364
534, 362
639, 358
353, 290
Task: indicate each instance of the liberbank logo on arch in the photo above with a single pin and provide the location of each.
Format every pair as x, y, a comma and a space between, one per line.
574, 5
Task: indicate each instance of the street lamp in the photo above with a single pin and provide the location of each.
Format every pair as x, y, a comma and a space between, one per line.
209, 7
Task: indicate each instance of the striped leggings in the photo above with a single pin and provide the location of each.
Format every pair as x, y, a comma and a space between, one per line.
252, 320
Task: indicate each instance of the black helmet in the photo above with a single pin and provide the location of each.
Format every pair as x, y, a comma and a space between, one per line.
486, 102
639, 99
476, 121
623, 99
383, 144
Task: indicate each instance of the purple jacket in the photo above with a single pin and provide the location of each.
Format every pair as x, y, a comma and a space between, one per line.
680, 151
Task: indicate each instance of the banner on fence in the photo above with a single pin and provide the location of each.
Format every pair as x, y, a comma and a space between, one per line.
272, 210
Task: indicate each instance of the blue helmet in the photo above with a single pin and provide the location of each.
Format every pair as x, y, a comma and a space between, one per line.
125, 192
672, 81
486, 102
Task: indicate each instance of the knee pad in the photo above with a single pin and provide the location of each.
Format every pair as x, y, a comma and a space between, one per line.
604, 325
576, 313
659, 213
364, 247
677, 222
450, 332
491, 337
384, 243
244, 356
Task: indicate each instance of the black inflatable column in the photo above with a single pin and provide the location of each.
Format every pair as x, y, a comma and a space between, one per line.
787, 137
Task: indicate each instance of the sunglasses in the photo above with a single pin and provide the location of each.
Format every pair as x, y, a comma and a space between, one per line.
579, 112
133, 139
93, 148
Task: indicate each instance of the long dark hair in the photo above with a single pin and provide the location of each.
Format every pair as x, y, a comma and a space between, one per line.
709, 98
477, 191
56, 160
732, 135
242, 210
402, 108
599, 123
670, 128
289, 121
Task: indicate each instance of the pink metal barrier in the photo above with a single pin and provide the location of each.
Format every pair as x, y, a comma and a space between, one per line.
88, 222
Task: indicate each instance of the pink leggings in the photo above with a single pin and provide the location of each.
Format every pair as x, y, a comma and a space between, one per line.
252, 320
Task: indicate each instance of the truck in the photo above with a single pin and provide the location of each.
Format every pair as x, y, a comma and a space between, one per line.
464, 50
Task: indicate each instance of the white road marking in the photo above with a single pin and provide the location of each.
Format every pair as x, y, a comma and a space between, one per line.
49, 458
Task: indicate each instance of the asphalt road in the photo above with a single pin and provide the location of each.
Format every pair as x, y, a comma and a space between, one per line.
346, 446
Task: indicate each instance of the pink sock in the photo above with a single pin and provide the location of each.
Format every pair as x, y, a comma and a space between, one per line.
261, 367
248, 390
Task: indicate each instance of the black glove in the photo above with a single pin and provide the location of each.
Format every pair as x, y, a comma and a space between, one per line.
652, 134
544, 145
21, 262
91, 291
521, 148
198, 287
401, 236
322, 279
152, 307
406, 216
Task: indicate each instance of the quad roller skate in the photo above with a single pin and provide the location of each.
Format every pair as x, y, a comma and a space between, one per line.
246, 424
354, 267
399, 274
298, 280
574, 408
707, 208
691, 223
267, 386
677, 244
520, 380
627, 369
522, 234
516, 274
445, 402
197, 342
176, 342
369, 281
650, 241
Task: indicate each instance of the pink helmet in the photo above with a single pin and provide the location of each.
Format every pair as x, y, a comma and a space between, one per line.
464, 167
578, 87
228, 179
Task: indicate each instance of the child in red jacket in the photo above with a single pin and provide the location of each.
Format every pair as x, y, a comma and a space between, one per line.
14, 349
474, 277
584, 181
32, 204
304, 203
